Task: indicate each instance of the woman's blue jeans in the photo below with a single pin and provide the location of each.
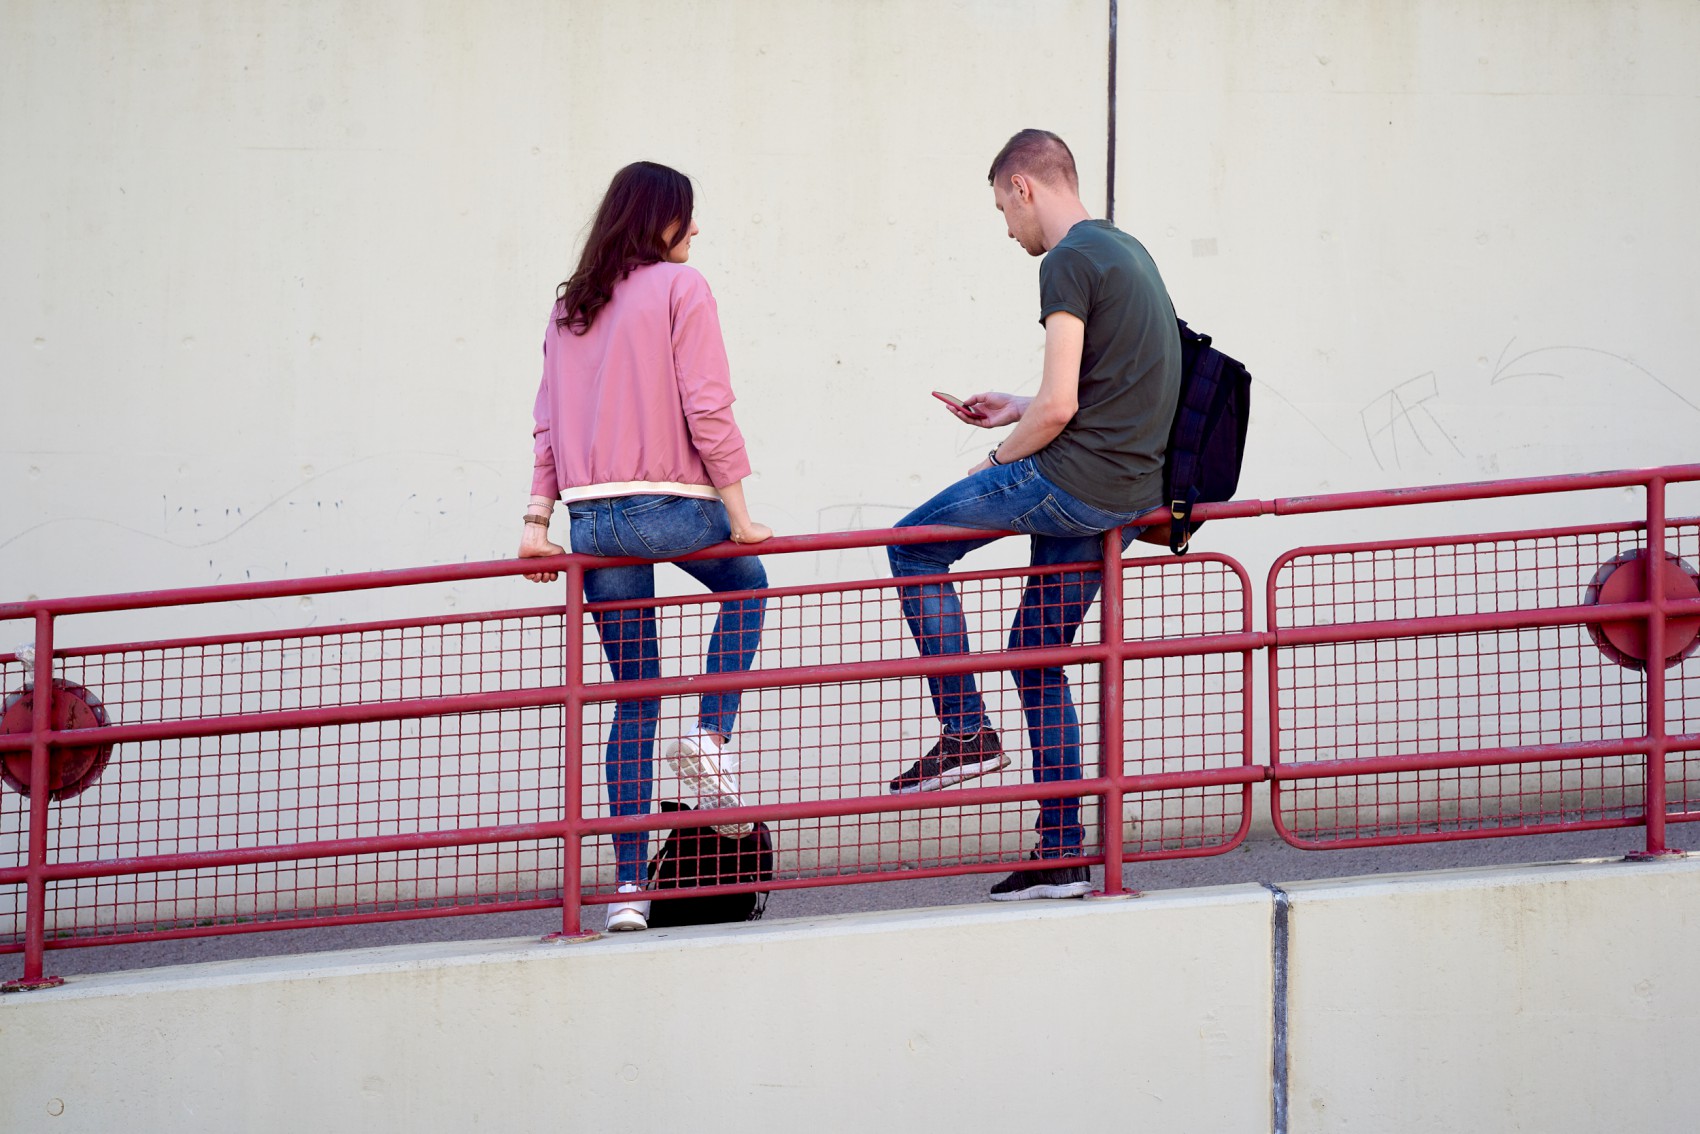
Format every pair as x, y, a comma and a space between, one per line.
1064, 529
659, 527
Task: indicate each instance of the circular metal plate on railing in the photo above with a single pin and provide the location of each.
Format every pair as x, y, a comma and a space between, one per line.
69, 769
1623, 578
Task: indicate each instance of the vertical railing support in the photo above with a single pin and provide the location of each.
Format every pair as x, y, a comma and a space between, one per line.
35, 886
1111, 726
1657, 742
572, 757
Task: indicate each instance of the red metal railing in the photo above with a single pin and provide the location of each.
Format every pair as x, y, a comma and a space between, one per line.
424, 767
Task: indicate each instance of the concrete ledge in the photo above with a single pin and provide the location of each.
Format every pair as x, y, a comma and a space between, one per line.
1553, 998
980, 1018
1557, 998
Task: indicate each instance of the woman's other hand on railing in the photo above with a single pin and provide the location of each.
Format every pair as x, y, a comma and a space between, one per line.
751, 532
744, 529
535, 542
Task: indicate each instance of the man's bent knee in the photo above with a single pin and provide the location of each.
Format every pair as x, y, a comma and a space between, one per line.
914, 559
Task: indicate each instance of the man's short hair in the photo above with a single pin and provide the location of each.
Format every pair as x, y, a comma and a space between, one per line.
1039, 154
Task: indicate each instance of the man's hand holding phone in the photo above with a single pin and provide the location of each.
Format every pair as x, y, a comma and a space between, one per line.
959, 407
988, 410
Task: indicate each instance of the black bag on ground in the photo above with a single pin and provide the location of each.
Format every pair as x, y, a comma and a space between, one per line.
702, 856
1207, 438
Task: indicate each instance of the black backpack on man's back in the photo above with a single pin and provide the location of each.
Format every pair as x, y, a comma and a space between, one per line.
701, 856
1207, 437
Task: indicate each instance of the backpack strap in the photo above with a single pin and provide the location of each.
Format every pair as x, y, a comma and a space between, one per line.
659, 861
668, 845
1181, 526
1186, 439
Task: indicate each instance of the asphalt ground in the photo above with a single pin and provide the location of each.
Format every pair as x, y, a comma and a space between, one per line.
1262, 858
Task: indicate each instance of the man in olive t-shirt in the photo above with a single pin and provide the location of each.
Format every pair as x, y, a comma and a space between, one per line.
1110, 454
1085, 456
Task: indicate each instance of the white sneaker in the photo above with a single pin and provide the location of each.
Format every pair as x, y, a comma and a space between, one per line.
629, 916
712, 773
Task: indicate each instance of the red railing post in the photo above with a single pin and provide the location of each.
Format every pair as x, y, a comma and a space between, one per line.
1657, 740
1111, 726
35, 885
572, 757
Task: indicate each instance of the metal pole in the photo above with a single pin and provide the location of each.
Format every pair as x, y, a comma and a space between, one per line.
572, 754
35, 886
1657, 741
1110, 125
1111, 726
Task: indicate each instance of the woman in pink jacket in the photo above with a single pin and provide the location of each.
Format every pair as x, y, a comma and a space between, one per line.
634, 431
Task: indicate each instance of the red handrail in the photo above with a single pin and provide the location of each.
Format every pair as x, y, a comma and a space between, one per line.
1293, 650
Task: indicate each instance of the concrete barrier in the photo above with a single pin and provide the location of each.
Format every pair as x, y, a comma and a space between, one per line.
1551, 999
1558, 998
981, 1018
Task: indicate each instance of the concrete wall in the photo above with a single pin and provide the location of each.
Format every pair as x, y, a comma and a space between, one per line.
276, 273
1557, 998
1453, 237
957, 1020
1553, 999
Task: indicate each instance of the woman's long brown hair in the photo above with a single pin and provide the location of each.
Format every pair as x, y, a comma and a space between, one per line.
642, 200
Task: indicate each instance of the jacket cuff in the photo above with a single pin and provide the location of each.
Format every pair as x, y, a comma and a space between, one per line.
728, 470
543, 482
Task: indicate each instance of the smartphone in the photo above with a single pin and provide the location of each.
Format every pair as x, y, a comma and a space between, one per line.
956, 403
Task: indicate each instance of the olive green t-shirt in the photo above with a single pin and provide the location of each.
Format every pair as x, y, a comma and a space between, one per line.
1110, 454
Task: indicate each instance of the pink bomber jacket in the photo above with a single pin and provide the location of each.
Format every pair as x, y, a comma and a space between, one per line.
642, 402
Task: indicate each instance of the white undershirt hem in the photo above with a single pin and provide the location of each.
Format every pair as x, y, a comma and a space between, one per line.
639, 488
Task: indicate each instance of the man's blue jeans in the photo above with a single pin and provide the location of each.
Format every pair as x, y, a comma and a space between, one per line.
659, 527
1064, 529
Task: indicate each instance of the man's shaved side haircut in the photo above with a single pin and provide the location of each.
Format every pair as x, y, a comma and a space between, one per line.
1039, 154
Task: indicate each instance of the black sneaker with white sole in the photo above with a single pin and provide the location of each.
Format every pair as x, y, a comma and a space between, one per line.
1067, 879
952, 760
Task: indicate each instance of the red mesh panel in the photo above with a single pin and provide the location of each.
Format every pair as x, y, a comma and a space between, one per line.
1458, 690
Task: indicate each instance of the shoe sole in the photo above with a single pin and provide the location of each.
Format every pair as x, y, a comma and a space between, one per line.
1048, 890
627, 921
734, 830
956, 775
689, 766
